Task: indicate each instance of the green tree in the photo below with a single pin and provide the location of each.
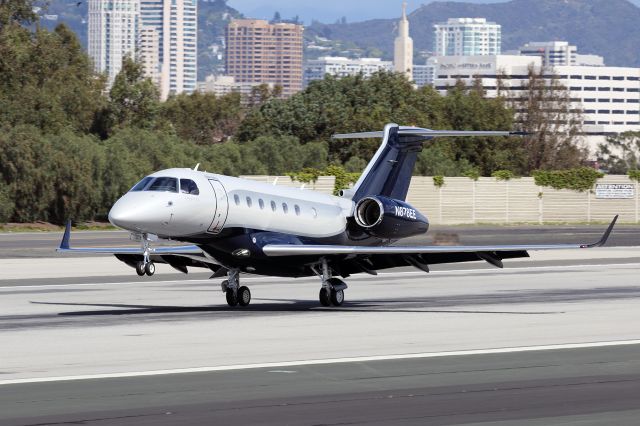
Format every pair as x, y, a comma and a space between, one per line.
46, 80
18, 12
203, 118
134, 101
620, 153
468, 108
544, 110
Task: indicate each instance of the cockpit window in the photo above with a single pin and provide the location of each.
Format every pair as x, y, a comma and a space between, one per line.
187, 186
164, 184
141, 185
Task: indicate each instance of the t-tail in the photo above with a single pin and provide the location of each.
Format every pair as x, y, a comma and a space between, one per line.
389, 172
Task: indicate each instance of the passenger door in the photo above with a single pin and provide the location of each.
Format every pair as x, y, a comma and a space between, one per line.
222, 207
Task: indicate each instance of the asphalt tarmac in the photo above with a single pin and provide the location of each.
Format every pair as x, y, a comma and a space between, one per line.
550, 340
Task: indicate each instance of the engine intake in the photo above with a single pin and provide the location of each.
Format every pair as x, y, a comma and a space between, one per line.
387, 218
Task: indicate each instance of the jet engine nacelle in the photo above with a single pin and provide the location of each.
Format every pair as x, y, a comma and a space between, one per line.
387, 218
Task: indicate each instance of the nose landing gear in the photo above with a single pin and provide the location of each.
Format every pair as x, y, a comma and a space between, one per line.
145, 266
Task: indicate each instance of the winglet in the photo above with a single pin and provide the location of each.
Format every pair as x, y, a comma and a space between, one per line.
605, 236
65, 243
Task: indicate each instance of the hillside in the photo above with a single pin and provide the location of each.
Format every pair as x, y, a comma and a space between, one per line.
604, 27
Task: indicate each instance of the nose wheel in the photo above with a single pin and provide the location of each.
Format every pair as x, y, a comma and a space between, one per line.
143, 268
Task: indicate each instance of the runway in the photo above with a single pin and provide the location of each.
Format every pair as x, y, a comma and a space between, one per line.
85, 341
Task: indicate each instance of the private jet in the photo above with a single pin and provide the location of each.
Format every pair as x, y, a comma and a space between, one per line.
232, 226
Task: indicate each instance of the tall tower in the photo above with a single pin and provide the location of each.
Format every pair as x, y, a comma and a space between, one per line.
170, 28
260, 52
113, 30
403, 52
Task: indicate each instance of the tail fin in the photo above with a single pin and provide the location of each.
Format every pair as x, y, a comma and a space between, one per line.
389, 171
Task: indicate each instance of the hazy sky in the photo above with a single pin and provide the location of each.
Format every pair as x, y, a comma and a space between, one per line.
329, 11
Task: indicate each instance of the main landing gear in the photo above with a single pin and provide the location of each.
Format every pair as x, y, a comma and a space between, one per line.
236, 294
332, 291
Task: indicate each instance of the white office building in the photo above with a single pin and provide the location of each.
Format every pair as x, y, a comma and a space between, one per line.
316, 69
467, 37
221, 85
609, 97
113, 32
559, 53
424, 75
175, 23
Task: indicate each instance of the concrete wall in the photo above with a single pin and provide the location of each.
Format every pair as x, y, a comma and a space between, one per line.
464, 201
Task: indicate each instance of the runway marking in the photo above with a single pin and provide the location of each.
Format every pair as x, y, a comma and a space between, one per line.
321, 362
359, 277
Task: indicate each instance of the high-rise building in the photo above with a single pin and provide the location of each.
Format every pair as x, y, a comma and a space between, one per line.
148, 52
559, 53
553, 53
467, 37
113, 32
403, 47
175, 25
316, 69
260, 52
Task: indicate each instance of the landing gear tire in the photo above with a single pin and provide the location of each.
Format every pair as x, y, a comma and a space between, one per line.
150, 269
232, 298
337, 297
140, 269
325, 298
244, 296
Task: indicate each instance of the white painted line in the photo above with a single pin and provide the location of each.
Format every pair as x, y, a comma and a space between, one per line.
322, 362
355, 277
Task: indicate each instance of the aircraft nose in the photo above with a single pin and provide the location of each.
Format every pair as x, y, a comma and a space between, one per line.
121, 216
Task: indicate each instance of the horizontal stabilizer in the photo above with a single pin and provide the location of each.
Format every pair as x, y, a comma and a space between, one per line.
428, 133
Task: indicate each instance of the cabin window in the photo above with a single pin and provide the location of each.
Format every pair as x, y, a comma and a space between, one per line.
142, 184
249, 202
297, 209
261, 203
187, 186
164, 184
273, 206
236, 199
285, 208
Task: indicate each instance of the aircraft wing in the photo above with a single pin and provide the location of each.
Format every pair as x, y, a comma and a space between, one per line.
422, 256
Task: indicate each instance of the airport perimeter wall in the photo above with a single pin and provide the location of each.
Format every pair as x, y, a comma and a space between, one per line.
464, 201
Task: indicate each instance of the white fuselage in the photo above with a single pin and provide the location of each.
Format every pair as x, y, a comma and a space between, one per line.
224, 202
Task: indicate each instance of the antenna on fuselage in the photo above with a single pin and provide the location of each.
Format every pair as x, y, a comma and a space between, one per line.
195, 169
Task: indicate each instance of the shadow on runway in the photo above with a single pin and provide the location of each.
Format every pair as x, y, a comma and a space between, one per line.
282, 306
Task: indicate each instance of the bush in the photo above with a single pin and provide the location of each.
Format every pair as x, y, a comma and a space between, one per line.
6, 203
438, 181
503, 175
579, 179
